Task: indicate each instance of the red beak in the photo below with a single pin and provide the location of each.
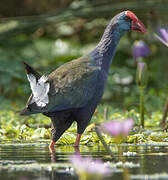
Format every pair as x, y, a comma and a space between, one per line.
137, 25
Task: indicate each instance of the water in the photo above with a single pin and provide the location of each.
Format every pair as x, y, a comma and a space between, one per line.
35, 162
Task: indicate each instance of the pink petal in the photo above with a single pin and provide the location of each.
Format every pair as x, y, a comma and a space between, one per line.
164, 34
88, 165
161, 39
127, 126
113, 128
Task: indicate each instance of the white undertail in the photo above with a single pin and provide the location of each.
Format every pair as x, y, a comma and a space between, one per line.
39, 89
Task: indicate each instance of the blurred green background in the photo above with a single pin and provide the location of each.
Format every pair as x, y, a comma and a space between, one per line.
48, 33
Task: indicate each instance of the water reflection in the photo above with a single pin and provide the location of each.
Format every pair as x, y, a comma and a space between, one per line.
32, 161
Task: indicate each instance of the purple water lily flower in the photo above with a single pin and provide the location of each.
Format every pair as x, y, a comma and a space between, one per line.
162, 35
117, 128
140, 49
88, 166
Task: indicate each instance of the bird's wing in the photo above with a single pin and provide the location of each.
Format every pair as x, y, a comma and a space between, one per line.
72, 85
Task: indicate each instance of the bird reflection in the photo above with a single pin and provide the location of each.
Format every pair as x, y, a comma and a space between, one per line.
55, 157
77, 150
67, 175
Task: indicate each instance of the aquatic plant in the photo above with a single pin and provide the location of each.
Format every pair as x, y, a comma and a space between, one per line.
140, 50
141, 81
118, 128
162, 35
88, 168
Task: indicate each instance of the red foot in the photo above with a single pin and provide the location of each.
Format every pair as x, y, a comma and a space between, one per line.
51, 147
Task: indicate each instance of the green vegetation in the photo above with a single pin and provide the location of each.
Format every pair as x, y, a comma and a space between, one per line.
37, 128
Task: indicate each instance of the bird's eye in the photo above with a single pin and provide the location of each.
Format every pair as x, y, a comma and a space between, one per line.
126, 18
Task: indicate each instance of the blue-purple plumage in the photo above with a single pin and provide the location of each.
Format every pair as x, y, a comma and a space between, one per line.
77, 86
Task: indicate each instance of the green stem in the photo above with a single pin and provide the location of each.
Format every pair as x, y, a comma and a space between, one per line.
163, 121
103, 141
126, 174
142, 106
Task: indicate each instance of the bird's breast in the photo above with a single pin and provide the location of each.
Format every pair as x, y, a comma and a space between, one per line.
101, 82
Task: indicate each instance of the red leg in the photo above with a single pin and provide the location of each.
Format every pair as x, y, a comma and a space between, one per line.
77, 140
51, 147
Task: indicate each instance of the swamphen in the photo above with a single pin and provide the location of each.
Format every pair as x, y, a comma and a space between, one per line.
73, 91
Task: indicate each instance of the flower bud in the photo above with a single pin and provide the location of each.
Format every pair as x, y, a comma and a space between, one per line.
140, 49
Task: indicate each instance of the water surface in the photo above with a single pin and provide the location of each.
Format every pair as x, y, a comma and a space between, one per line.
34, 161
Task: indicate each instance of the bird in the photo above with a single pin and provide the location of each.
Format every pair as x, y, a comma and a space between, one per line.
73, 91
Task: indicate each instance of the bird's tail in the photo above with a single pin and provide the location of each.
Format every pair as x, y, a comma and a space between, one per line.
30, 70
25, 112
40, 88
29, 109
39, 96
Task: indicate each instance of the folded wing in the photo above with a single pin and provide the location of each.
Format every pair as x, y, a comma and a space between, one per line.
72, 85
